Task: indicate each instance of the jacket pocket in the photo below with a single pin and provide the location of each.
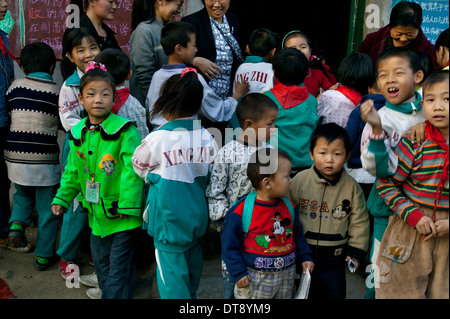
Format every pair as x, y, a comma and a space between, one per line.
110, 206
396, 246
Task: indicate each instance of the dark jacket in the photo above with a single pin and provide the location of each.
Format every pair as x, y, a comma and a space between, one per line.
6, 78
104, 43
205, 39
375, 43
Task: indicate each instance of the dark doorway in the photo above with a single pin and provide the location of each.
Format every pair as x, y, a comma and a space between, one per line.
325, 22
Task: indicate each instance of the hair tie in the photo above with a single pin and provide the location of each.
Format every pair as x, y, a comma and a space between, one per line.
287, 35
186, 70
94, 65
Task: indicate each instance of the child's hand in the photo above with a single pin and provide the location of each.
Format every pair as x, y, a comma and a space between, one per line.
442, 230
123, 216
426, 226
244, 282
58, 210
370, 115
416, 133
308, 265
242, 88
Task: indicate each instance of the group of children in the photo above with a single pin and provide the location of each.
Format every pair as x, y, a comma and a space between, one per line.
278, 191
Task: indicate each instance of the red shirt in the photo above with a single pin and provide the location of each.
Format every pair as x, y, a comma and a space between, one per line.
315, 79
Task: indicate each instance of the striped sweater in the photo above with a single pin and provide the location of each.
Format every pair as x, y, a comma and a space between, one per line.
33, 135
415, 181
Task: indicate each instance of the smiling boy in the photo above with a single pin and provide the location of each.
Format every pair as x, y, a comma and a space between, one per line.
398, 73
332, 211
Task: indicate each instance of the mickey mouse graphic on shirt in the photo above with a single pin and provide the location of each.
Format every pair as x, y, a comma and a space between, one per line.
342, 210
279, 232
108, 163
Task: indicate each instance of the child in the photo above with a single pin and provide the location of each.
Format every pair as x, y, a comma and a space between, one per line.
179, 42
355, 75
176, 159
442, 46
118, 65
79, 48
100, 173
256, 69
317, 79
332, 212
297, 109
398, 73
229, 182
262, 236
354, 128
32, 152
413, 256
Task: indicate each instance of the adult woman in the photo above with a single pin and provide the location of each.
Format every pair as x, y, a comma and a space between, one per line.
218, 53
146, 53
403, 30
98, 11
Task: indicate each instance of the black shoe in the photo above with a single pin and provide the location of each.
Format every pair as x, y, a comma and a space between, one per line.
43, 263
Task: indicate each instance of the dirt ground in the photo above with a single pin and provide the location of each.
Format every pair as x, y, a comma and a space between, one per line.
28, 283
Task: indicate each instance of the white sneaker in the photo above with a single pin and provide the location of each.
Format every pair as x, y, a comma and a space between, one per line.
94, 293
89, 280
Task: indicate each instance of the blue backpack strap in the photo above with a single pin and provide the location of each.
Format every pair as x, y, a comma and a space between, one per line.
247, 212
289, 205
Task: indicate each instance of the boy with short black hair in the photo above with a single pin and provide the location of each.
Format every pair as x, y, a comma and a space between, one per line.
262, 237
118, 65
398, 73
229, 182
332, 211
178, 40
32, 152
413, 256
256, 68
297, 109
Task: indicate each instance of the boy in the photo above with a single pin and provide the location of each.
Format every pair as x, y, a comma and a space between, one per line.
118, 65
413, 256
297, 109
178, 40
256, 114
262, 253
354, 128
99, 171
256, 69
32, 151
398, 73
332, 212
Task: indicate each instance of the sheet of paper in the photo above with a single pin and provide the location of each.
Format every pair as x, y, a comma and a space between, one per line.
303, 289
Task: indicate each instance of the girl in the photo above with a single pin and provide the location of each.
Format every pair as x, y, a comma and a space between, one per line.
356, 76
79, 49
317, 79
146, 53
176, 159
111, 196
